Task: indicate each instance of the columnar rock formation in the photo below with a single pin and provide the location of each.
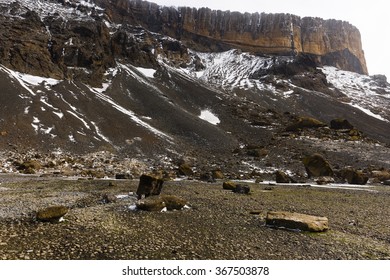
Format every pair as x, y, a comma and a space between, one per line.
334, 42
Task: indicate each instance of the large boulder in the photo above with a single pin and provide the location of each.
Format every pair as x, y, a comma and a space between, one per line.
242, 189
51, 214
229, 185
354, 177
185, 170
297, 221
317, 166
173, 202
149, 185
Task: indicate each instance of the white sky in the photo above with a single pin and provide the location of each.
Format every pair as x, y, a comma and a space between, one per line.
372, 18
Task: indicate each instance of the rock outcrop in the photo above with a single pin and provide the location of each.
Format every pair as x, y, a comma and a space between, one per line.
333, 42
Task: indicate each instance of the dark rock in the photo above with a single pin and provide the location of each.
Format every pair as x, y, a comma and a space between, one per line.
149, 185
317, 166
52, 214
282, 177
340, 124
123, 176
354, 177
297, 221
207, 177
242, 189
386, 183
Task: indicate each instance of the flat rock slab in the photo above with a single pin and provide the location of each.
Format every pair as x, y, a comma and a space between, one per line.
297, 221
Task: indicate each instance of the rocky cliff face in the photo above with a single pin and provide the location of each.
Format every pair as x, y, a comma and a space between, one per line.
82, 39
333, 42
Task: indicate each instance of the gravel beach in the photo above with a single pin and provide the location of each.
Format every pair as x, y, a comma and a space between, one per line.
219, 224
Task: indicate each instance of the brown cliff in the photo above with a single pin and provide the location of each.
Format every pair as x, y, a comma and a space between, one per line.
333, 42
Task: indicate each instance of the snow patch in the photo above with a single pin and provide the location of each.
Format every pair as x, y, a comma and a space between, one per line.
147, 72
208, 116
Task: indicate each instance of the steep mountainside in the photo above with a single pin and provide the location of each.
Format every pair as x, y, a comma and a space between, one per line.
219, 89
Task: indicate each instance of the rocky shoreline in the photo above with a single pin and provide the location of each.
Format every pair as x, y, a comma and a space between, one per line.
219, 224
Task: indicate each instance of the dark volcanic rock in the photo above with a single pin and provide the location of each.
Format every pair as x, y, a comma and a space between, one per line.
149, 185
242, 189
340, 124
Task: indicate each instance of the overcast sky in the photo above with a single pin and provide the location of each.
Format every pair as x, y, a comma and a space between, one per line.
370, 17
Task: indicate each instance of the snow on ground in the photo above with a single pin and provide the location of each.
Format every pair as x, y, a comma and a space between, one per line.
208, 116
147, 72
361, 91
45, 8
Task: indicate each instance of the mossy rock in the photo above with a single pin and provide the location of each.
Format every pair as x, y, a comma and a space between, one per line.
305, 122
229, 185
52, 214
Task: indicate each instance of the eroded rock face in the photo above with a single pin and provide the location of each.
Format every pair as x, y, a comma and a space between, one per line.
335, 42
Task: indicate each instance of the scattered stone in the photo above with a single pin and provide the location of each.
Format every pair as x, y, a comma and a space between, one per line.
354, 177
317, 166
282, 177
52, 214
149, 185
340, 124
297, 221
229, 185
109, 198
242, 189
324, 180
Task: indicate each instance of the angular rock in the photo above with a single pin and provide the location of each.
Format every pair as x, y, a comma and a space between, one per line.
52, 214
149, 185
317, 166
386, 183
217, 174
297, 221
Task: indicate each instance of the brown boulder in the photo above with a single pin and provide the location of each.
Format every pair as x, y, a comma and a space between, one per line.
297, 221
52, 214
305, 122
173, 202
185, 170
354, 177
317, 166
282, 177
152, 204
229, 185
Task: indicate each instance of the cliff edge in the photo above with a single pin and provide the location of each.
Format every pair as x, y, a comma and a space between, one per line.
332, 42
